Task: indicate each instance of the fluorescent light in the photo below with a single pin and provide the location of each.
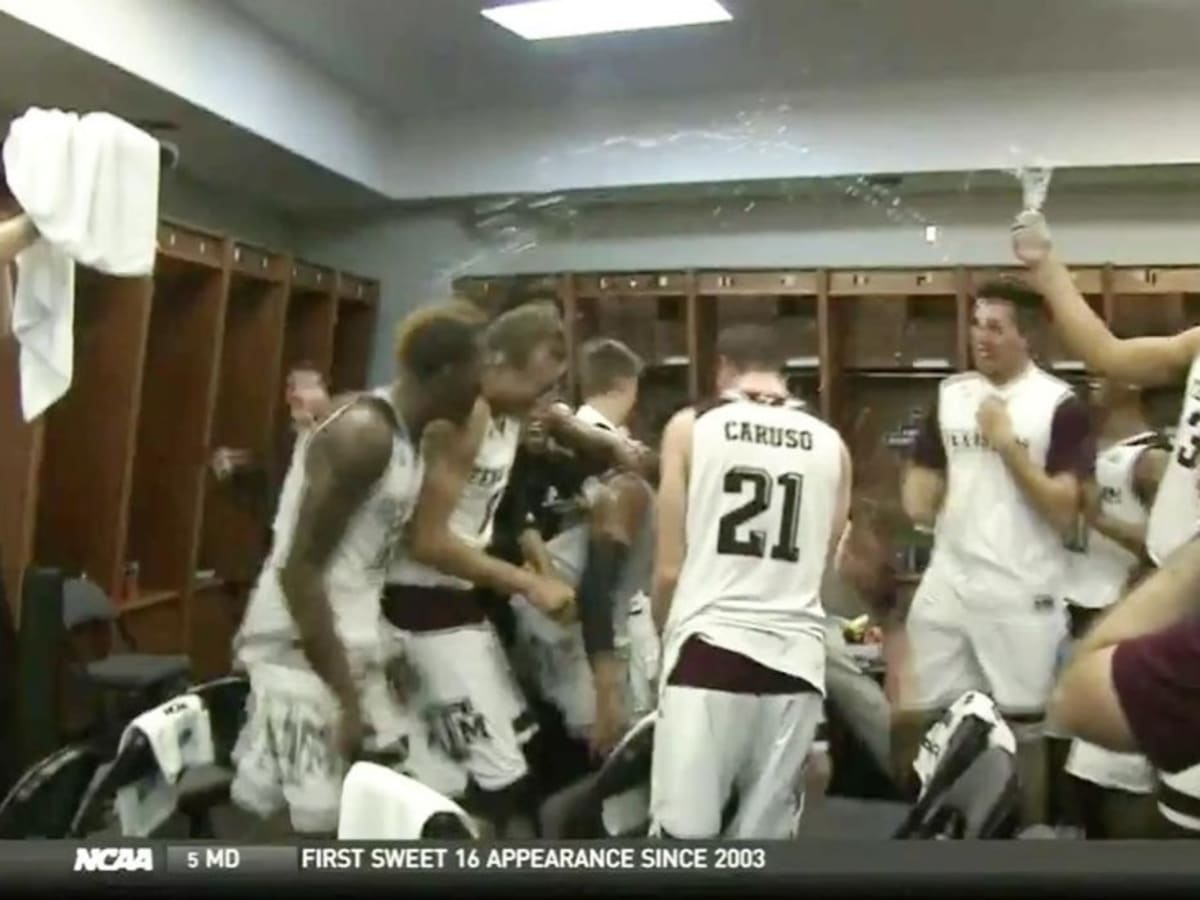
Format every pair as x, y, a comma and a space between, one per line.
546, 19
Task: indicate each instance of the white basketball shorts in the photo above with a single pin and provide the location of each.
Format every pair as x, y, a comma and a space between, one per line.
710, 745
989, 640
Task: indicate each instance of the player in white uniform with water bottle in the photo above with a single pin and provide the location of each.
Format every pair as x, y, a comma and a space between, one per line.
312, 640
1133, 680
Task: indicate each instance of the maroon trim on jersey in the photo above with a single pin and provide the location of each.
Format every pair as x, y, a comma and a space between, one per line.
419, 608
1072, 444
928, 450
765, 399
707, 406
1157, 680
713, 668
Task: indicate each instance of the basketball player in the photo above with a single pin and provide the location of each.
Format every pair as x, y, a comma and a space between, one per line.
312, 638
997, 471
752, 500
1114, 792
1132, 683
469, 692
596, 673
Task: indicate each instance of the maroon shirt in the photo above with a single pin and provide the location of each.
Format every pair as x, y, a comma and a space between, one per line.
1157, 680
1072, 445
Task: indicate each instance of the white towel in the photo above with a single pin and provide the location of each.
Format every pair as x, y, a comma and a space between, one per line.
379, 803
970, 705
90, 185
180, 735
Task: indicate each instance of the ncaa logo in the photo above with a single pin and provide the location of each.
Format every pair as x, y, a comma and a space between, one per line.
114, 859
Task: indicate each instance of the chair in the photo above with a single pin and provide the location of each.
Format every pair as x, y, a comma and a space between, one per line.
200, 790
974, 793
136, 681
578, 812
43, 802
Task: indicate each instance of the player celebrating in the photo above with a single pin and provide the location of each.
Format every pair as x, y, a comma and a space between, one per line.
753, 496
1133, 680
470, 696
311, 640
997, 472
598, 674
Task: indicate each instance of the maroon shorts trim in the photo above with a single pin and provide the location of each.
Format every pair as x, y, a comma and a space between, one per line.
419, 608
713, 668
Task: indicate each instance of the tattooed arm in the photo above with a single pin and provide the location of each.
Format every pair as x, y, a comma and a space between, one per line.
344, 461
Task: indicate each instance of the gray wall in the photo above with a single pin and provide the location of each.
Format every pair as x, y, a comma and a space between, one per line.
187, 200
417, 255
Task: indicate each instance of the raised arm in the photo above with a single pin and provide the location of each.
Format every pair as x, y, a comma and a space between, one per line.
343, 463
16, 234
1141, 360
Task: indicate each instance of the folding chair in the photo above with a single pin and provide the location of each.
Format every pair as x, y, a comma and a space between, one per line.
43, 802
578, 812
200, 790
136, 681
974, 793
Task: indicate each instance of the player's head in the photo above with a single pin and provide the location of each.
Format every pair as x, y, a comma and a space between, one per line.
1005, 317
609, 369
438, 355
525, 357
306, 394
747, 349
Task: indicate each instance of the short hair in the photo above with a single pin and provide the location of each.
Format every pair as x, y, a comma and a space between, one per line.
307, 365
514, 336
1027, 303
435, 337
752, 347
603, 362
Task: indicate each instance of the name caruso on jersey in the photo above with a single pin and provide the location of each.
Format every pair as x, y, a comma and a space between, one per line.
768, 435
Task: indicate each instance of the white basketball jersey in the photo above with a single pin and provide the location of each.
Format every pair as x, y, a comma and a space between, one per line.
1099, 573
355, 575
475, 513
1175, 516
988, 533
762, 493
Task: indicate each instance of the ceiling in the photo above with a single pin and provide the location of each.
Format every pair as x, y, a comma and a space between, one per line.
422, 57
414, 58
39, 70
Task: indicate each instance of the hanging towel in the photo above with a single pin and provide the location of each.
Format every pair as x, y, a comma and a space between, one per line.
180, 736
380, 804
90, 185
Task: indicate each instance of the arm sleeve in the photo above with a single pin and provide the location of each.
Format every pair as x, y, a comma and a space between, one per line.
1072, 445
1157, 681
928, 450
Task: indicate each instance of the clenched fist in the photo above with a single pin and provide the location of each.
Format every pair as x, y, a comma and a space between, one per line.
1031, 238
994, 423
